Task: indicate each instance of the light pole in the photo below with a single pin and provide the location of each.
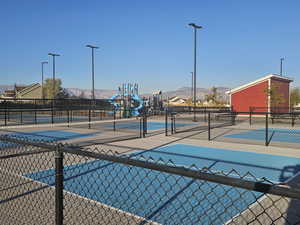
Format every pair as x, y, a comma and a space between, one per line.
53, 76
43, 63
195, 62
281, 60
192, 86
93, 70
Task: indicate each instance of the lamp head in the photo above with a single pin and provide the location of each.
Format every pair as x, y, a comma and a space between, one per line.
91, 46
53, 54
195, 26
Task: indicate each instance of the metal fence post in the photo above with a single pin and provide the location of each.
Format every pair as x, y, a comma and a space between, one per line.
89, 118
7, 111
68, 117
267, 130
141, 127
35, 113
144, 132
232, 118
174, 126
208, 127
166, 122
114, 119
52, 111
293, 119
145, 124
59, 186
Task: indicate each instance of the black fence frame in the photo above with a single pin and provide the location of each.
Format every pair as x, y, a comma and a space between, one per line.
205, 175
273, 116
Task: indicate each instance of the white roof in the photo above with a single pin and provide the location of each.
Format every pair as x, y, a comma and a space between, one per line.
267, 77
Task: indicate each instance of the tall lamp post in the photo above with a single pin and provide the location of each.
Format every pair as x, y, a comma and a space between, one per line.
53, 85
43, 63
195, 62
93, 70
281, 62
53, 76
192, 86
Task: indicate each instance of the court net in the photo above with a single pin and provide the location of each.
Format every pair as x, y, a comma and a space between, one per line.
80, 133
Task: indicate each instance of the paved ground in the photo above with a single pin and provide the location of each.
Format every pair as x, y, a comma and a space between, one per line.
23, 201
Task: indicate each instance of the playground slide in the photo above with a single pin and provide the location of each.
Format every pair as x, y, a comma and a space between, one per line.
135, 111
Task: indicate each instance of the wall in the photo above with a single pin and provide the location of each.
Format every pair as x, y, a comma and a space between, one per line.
254, 96
284, 91
34, 92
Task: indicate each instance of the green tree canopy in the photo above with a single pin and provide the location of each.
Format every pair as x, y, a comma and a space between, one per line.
276, 97
59, 92
295, 96
213, 96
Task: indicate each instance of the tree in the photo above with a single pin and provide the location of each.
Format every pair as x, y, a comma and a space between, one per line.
295, 96
276, 97
189, 102
59, 92
213, 96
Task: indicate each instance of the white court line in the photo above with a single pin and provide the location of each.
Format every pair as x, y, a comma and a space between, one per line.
66, 124
103, 205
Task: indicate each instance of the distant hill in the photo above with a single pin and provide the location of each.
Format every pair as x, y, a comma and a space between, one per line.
86, 93
184, 92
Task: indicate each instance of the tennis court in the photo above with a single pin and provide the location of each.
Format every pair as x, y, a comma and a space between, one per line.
275, 134
80, 133
41, 118
51, 135
89, 133
151, 125
156, 200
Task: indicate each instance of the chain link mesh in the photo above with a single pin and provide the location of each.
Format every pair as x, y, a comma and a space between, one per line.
104, 187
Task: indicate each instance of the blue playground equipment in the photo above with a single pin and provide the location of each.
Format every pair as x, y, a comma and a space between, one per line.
127, 100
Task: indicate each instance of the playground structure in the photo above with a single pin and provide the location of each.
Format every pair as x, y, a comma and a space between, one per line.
154, 103
157, 101
127, 100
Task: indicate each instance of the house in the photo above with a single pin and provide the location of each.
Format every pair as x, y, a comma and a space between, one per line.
33, 91
270, 93
177, 101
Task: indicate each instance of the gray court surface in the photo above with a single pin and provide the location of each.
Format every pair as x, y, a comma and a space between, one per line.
24, 201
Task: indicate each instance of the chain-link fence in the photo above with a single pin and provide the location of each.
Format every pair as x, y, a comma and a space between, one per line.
38, 111
51, 183
258, 128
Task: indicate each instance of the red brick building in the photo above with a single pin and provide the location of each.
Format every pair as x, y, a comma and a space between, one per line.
267, 94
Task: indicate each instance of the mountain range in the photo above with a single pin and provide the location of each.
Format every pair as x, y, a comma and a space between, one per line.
184, 92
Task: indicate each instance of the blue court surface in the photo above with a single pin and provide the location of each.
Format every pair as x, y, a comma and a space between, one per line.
279, 135
150, 125
156, 195
51, 135
48, 119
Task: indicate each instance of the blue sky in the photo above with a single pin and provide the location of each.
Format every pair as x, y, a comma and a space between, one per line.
149, 42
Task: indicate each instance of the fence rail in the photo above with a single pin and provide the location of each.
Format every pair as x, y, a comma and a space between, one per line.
263, 128
93, 186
